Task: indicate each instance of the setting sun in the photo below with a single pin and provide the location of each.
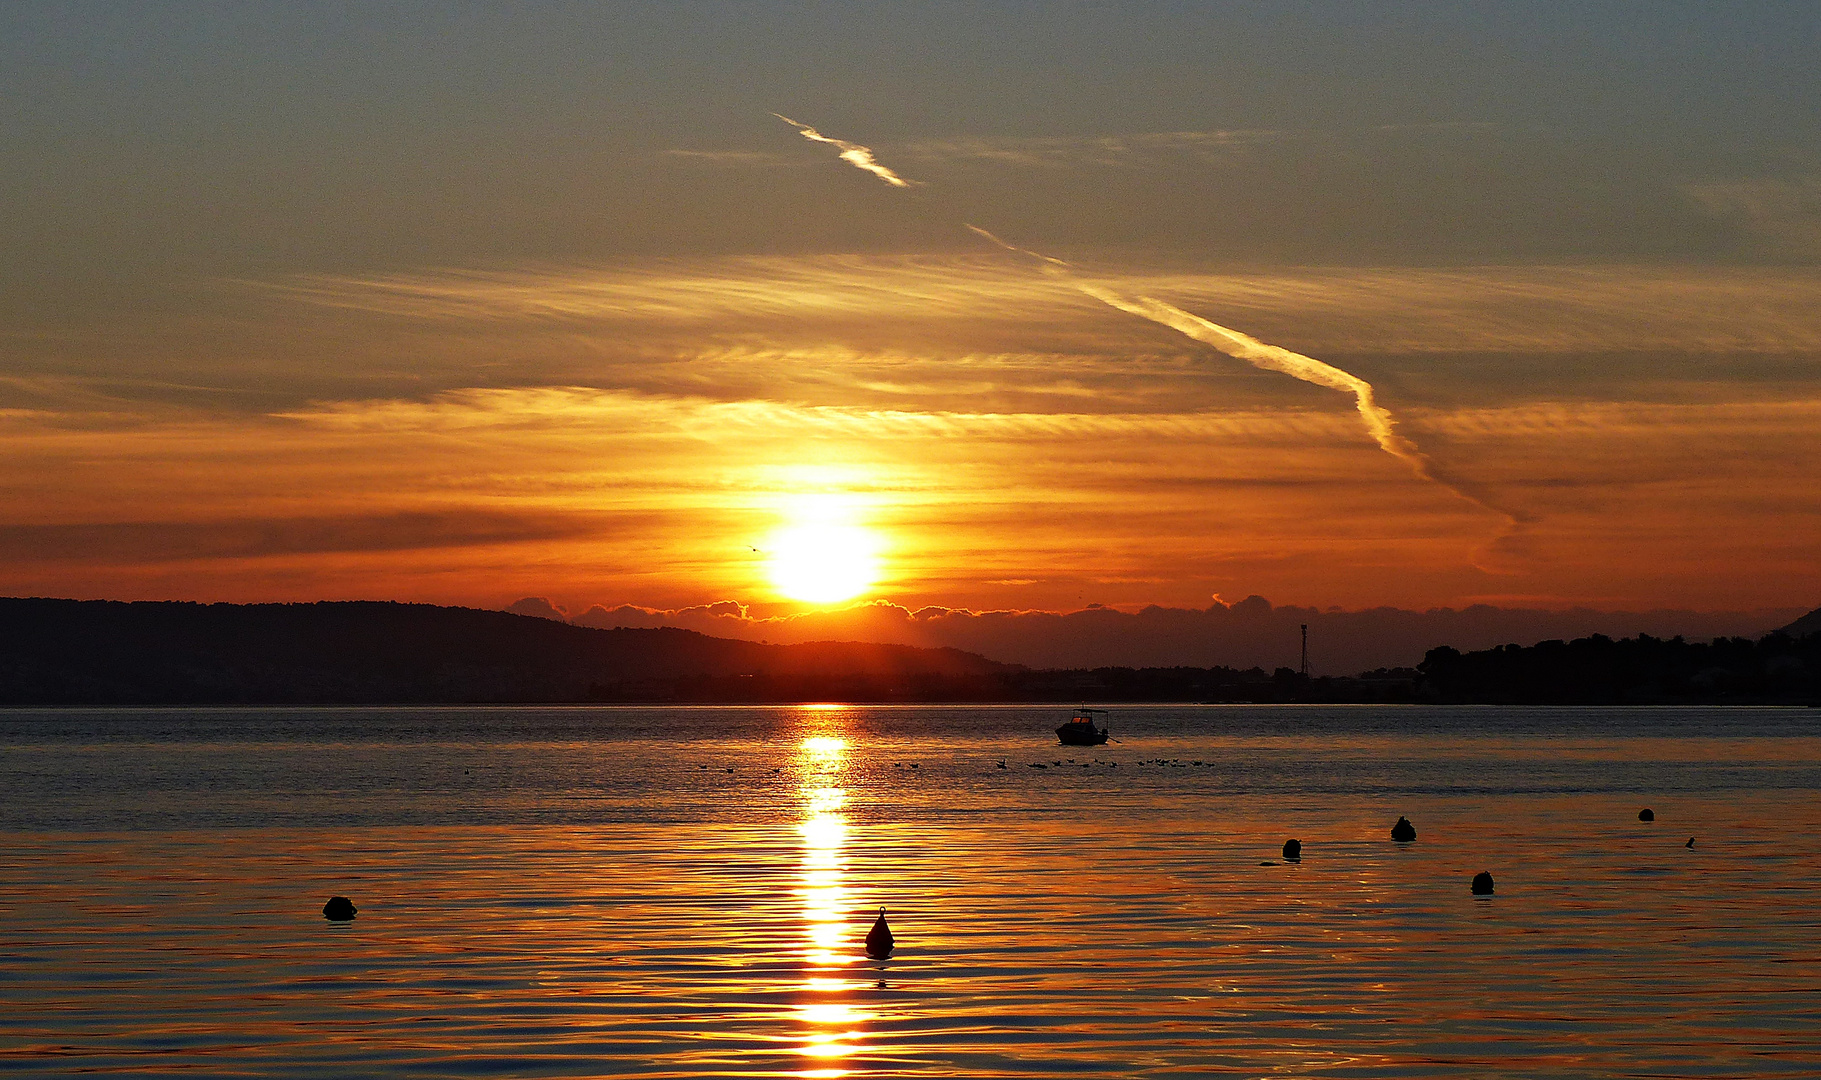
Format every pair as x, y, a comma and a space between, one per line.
823, 562
842, 541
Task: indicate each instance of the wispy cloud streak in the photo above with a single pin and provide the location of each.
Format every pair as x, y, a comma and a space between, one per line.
1352, 311
1112, 151
1378, 420
854, 154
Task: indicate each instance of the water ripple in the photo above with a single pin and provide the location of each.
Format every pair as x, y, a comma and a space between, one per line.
542, 893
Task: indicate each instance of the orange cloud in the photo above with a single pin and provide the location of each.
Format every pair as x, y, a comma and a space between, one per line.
627, 435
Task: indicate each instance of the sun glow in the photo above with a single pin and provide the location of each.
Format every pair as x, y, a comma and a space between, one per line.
822, 556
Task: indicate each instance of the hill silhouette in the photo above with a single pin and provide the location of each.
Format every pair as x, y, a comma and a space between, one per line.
1806, 625
68, 652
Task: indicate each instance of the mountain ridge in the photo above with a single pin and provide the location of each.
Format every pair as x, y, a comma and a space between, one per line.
358, 652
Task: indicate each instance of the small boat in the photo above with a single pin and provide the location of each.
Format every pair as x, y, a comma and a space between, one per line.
1081, 730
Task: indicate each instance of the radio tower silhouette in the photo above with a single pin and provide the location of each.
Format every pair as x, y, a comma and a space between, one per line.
1305, 650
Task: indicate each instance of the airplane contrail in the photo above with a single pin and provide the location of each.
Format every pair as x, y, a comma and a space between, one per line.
860, 157
1379, 421
1380, 424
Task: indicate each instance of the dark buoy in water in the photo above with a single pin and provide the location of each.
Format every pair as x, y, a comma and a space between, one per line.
1293, 849
1647, 814
879, 939
1691, 843
1403, 832
1482, 884
339, 909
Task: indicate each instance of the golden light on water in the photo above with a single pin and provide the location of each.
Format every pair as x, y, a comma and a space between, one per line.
823, 554
829, 1017
824, 832
824, 747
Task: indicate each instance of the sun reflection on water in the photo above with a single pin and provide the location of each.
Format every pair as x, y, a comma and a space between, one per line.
831, 1021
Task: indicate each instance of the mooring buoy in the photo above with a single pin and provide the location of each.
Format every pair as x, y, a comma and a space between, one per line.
879, 940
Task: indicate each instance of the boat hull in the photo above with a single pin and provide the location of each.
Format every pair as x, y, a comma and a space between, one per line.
1081, 735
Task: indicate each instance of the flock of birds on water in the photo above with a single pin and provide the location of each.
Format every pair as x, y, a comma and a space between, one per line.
1168, 763
879, 942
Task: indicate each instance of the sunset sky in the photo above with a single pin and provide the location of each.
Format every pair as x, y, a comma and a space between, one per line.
464, 303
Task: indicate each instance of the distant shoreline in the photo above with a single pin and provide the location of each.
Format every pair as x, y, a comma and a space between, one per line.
100, 654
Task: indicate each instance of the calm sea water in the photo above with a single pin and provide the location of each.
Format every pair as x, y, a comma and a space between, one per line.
683, 892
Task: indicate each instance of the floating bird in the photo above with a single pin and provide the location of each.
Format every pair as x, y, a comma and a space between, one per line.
339, 909
1647, 814
1293, 849
1691, 843
1403, 832
879, 939
1482, 884
1002, 764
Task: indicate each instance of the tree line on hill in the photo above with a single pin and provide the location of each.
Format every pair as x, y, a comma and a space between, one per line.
1778, 668
66, 652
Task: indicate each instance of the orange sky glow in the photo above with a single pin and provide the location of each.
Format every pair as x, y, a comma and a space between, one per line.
403, 335
1003, 443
